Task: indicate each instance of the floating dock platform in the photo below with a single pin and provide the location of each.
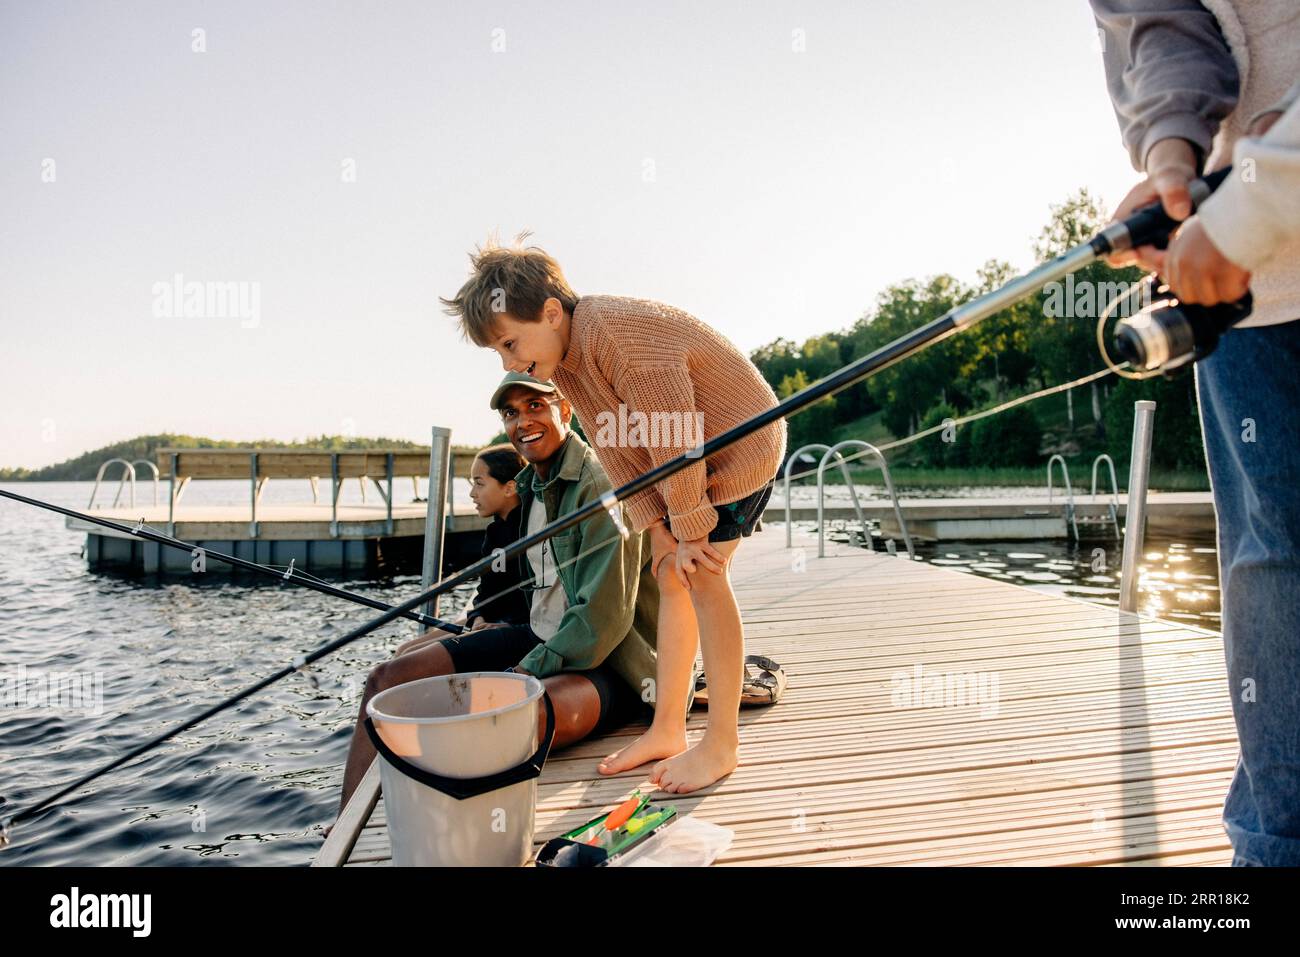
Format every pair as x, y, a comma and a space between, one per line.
317, 536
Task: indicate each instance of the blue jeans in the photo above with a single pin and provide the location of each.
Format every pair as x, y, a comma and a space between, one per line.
1249, 392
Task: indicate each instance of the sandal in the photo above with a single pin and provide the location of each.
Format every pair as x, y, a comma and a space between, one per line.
760, 690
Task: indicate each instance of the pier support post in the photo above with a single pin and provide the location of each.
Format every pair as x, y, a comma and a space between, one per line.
252, 521
1135, 516
435, 520
171, 498
334, 495
388, 524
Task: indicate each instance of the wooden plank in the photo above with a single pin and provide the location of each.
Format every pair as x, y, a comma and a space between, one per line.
338, 846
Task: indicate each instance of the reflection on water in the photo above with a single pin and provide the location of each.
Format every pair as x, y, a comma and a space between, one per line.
1178, 579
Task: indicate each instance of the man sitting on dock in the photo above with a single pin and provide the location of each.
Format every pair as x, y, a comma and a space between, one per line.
593, 615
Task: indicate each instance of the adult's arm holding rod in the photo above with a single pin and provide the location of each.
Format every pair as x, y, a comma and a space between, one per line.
1171, 79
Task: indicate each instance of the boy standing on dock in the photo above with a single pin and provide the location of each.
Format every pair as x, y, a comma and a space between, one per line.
650, 382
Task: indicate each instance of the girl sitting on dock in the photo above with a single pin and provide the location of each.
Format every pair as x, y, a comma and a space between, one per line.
499, 599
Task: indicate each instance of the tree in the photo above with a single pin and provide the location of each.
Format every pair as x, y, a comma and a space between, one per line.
908, 388
814, 423
1064, 340
1000, 344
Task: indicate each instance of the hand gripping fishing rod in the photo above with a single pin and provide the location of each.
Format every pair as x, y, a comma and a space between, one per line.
289, 575
1147, 226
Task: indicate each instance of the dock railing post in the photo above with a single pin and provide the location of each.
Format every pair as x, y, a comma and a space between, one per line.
1135, 515
388, 523
171, 497
334, 495
252, 523
435, 519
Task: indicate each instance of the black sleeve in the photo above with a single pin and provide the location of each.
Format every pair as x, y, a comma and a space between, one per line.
498, 598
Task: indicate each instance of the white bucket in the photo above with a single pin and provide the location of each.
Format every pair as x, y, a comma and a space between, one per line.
471, 734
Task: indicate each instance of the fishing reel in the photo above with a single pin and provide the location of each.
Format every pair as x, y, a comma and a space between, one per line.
1167, 334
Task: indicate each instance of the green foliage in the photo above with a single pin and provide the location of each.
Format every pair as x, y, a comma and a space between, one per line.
1176, 440
815, 422
1010, 436
1040, 341
949, 447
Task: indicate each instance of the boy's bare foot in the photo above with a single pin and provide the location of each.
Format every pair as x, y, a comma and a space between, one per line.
651, 746
696, 768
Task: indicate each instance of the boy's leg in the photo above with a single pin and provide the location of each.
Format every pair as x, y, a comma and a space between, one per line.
676, 643
723, 639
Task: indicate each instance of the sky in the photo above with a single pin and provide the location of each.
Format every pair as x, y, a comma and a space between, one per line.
769, 167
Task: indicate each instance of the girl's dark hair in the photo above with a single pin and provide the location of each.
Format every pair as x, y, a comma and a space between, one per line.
503, 461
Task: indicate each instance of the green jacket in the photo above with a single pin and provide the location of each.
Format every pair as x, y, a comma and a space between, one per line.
613, 599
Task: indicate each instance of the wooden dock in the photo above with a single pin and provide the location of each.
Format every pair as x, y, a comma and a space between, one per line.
1109, 740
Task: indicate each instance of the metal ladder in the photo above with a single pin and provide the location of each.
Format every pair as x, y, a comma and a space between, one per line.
128, 472
889, 485
1069, 493
1114, 490
848, 480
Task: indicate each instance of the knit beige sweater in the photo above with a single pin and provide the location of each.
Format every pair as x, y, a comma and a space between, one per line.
650, 382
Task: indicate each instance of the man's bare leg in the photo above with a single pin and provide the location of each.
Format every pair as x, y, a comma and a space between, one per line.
421, 641
424, 663
723, 638
676, 642
577, 708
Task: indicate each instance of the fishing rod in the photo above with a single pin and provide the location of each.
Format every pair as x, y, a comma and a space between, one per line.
1148, 226
288, 575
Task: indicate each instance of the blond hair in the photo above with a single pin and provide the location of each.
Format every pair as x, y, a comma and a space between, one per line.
514, 279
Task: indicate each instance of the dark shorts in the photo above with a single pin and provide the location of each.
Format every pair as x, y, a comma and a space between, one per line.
737, 519
500, 649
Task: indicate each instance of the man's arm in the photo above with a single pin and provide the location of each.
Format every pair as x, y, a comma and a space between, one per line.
607, 568
1169, 71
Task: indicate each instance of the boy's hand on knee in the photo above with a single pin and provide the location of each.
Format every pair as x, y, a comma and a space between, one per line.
697, 553
662, 544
